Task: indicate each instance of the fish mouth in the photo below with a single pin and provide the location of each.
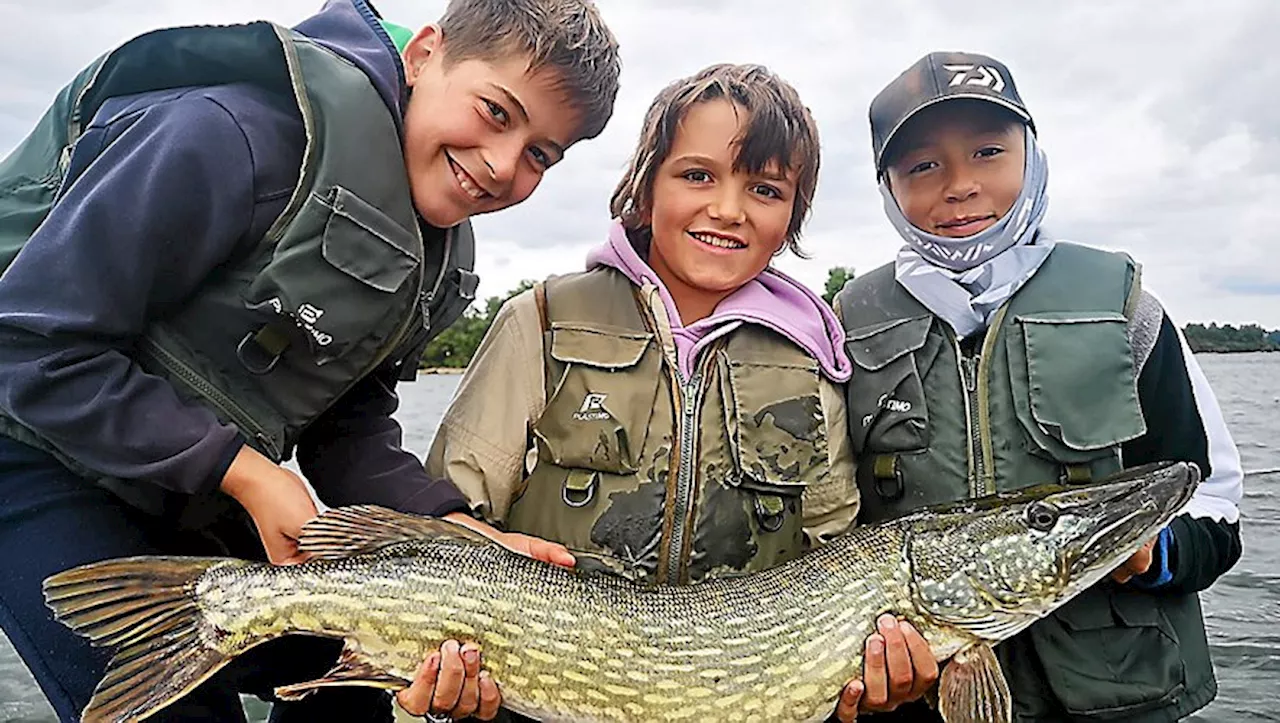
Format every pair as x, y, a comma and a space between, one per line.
1127, 511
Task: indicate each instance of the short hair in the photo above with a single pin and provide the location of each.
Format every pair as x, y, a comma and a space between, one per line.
567, 37
779, 129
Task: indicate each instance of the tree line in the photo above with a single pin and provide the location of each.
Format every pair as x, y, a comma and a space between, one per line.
455, 346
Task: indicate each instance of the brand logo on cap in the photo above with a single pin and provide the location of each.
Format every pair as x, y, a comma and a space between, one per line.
983, 75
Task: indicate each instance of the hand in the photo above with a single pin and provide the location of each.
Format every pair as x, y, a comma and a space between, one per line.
898, 667
1137, 564
275, 498
552, 553
450, 683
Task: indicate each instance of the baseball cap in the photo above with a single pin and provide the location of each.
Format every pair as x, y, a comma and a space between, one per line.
935, 78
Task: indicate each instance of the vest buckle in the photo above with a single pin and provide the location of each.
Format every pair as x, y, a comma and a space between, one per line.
580, 487
887, 477
259, 351
771, 512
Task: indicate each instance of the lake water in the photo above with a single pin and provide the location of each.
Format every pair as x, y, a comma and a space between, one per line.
1242, 610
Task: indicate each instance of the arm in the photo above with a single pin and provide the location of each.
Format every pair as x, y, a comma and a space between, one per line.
831, 506
160, 197
1184, 422
483, 438
353, 455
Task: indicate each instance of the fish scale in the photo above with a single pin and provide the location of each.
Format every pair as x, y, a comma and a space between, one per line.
777, 645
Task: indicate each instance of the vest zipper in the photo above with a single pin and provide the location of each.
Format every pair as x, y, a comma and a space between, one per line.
969, 381
686, 470
214, 396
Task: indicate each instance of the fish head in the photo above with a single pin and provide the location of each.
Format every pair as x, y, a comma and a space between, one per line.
994, 565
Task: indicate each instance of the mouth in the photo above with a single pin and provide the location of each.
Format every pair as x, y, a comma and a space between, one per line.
467, 182
966, 225
715, 239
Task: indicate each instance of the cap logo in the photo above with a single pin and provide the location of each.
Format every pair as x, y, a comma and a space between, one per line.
983, 75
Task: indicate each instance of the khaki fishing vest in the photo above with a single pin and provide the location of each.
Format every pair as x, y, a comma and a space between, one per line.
340, 284
657, 478
1050, 397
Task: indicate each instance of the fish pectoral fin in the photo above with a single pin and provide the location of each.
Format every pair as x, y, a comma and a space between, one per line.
353, 668
972, 688
995, 625
345, 531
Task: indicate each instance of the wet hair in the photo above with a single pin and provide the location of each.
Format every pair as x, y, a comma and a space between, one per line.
779, 129
566, 37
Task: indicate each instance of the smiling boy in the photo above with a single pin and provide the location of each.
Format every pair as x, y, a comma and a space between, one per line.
222, 247
990, 357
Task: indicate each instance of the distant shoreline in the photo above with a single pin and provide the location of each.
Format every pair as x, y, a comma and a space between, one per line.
442, 370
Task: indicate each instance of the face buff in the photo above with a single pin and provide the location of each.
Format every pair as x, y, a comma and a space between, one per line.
964, 281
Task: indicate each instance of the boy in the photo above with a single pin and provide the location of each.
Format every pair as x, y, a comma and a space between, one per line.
990, 357
224, 245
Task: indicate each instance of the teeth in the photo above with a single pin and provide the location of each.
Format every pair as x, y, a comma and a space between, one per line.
718, 242
465, 181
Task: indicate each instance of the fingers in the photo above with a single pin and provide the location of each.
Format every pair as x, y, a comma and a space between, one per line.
549, 552
416, 699
897, 660
1137, 564
847, 706
924, 666
490, 697
469, 701
875, 675
450, 679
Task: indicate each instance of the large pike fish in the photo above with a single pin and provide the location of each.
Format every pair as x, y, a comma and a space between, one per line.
772, 646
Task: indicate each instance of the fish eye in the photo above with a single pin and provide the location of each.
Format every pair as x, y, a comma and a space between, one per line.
1041, 516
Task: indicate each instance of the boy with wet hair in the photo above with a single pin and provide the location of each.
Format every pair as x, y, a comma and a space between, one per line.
222, 247
990, 356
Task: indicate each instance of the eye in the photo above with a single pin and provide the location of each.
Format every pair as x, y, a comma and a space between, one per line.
989, 152
767, 191
497, 112
540, 157
921, 167
696, 176
1041, 516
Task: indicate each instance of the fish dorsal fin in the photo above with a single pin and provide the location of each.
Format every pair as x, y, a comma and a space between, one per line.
972, 688
345, 531
353, 668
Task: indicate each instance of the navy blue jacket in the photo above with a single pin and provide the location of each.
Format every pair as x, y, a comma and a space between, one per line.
167, 187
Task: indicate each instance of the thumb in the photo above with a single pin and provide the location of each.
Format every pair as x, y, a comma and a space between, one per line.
850, 698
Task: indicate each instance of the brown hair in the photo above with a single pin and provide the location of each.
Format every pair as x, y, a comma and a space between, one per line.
567, 37
779, 130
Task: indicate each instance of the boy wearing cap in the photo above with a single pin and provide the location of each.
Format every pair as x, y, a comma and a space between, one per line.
222, 247
990, 356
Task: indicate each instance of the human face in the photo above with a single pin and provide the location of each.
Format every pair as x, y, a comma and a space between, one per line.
960, 168
478, 135
714, 228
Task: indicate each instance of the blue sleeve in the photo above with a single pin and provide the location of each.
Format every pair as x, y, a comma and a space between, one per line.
353, 455
161, 196
1160, 573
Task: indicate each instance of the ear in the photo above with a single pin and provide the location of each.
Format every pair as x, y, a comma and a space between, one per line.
426, 47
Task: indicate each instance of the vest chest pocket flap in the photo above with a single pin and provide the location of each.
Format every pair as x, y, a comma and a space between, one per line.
887, 407
776, 425
598, 409
339, 275
1074, 383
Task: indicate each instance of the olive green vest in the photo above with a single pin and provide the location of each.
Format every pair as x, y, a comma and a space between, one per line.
657, 478
1050, 395
341, 282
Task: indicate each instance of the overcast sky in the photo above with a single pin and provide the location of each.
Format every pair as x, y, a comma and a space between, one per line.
1161, 119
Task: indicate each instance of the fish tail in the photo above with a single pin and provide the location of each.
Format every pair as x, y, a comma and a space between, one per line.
146, 607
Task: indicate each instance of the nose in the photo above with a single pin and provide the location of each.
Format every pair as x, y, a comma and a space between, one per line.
727, 205
502, 160
962, 185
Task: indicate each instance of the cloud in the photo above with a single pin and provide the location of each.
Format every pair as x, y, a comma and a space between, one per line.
1160, 121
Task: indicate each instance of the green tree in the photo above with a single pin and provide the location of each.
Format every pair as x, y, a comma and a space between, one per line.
1228, 338
455, 346
836, 278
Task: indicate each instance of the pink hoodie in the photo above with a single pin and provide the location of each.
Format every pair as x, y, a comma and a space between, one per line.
772, 299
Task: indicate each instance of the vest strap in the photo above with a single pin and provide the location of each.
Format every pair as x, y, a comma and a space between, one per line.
1077, 474
770, 512
580, 487
888, 477
260, 350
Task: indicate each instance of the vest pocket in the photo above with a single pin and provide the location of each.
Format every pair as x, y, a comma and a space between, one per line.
887, 407
776, 427
1110, 653
1074, 384
336, 277
598, 411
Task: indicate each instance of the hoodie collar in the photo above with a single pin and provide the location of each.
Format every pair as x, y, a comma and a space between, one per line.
351, 29
772, 300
